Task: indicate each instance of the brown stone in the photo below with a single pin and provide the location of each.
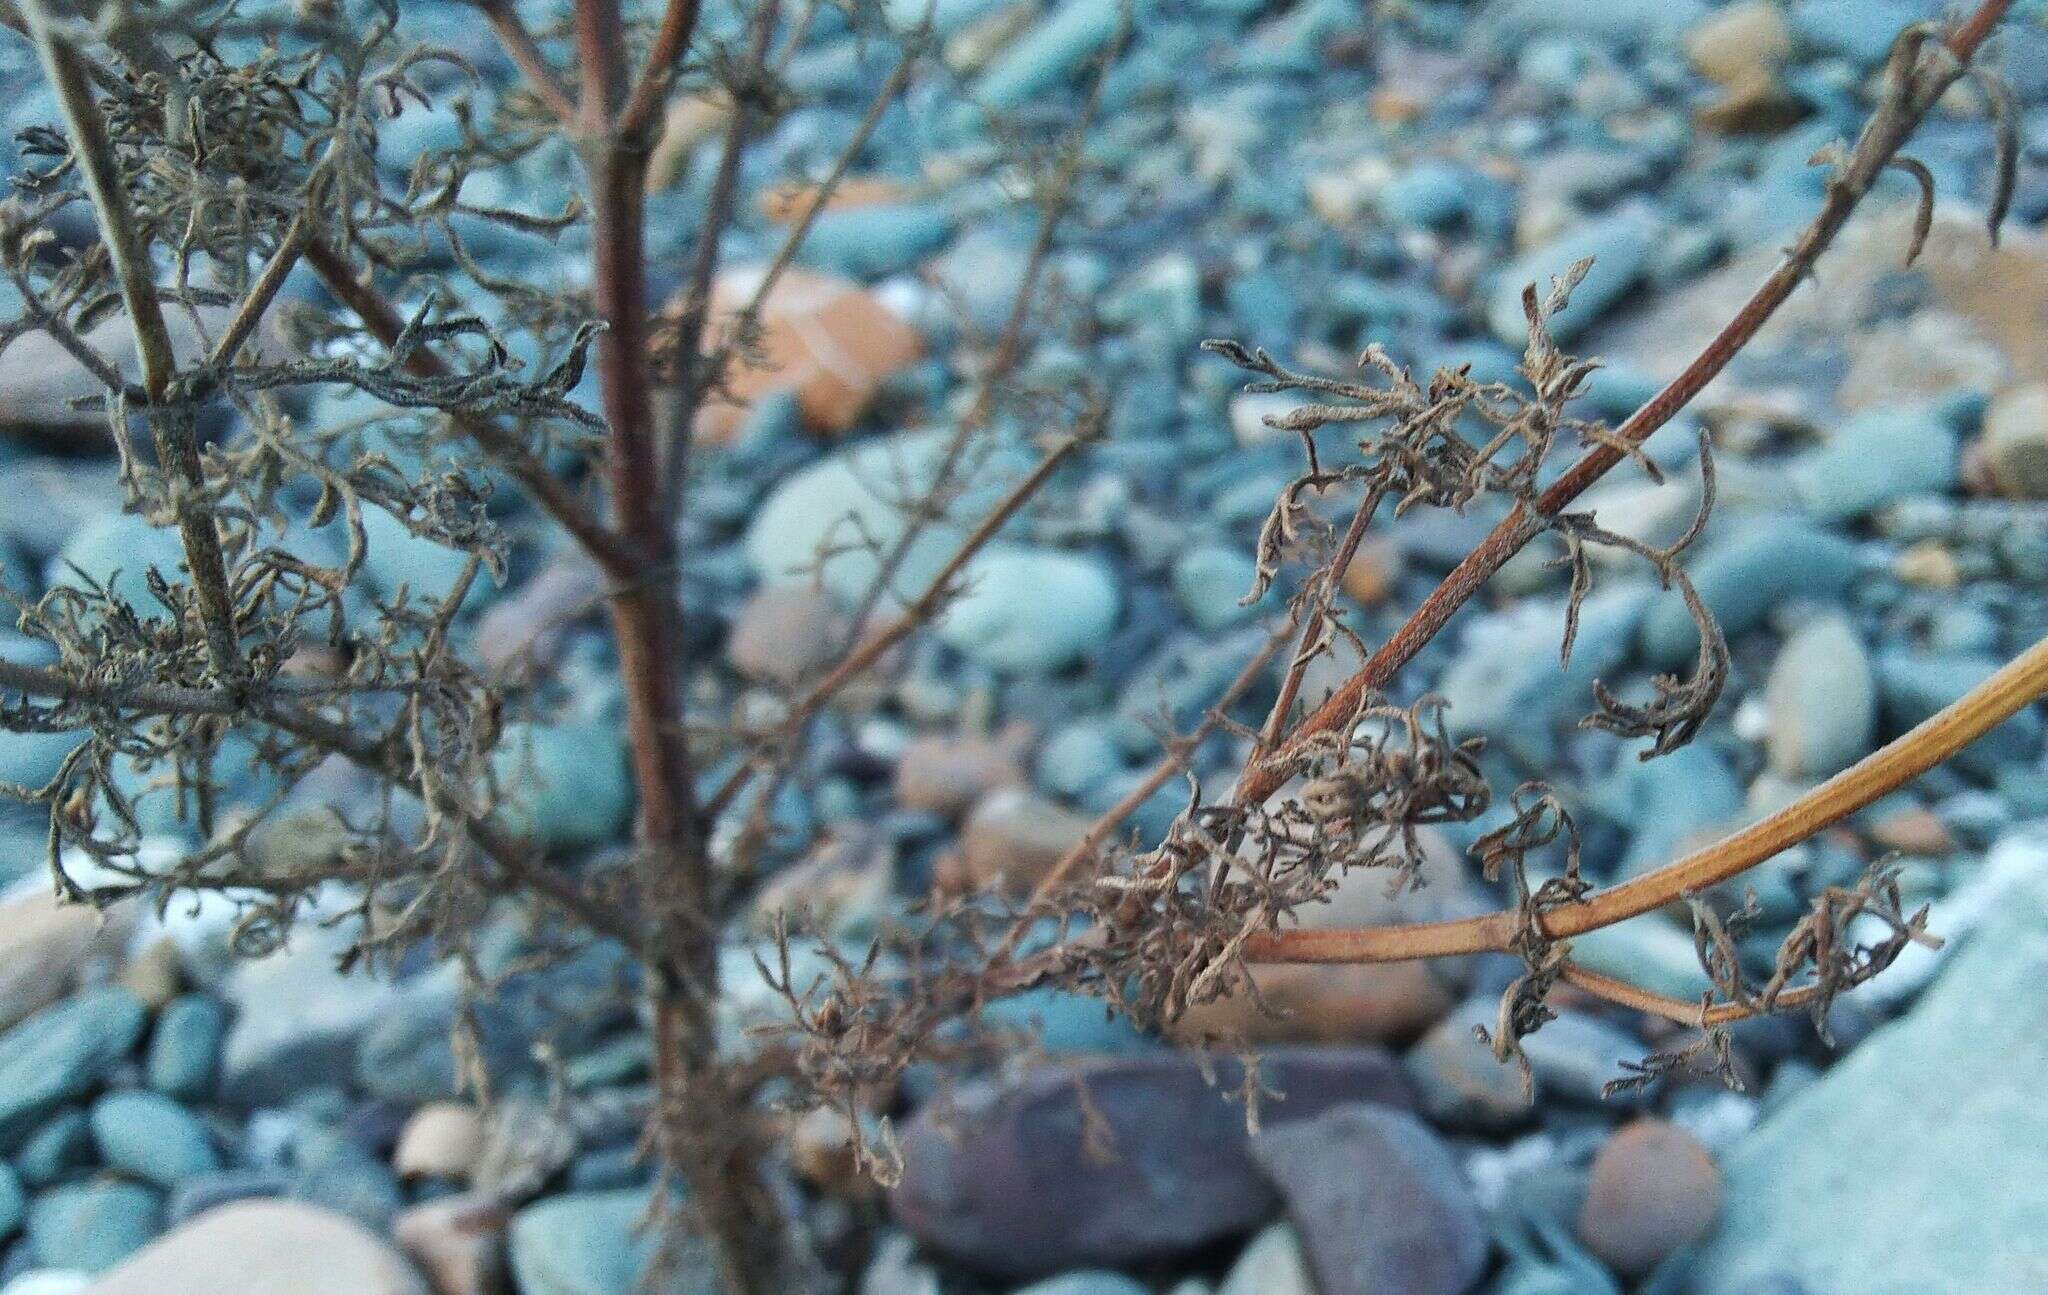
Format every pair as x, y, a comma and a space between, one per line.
946, 774
523, 630
458, 1242
1393, 1002
1914, 831
783, 634
826, 339
821, 1148
1374, 571
786, 203
156, 975
844, 885
1735, 43
1014, 837
264, 1247
46, 945
1654, 1191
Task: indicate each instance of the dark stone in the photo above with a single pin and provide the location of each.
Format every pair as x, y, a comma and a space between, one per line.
1378, 1201
1113, 1162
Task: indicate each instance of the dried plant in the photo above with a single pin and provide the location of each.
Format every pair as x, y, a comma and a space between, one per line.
214, 179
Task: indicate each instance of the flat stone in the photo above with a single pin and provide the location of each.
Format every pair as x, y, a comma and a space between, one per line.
1620, 245
1380, 1004
151, 1137
272, 1248
92, 1226
1030, 611
2014, 446
590, 1243
1928, 1143
62, 1053
458, 1242
1744, 576
440, 1140
1014, 836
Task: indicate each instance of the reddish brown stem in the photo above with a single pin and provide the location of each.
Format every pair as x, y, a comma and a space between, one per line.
548, 491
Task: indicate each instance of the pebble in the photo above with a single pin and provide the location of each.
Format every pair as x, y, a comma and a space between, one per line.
1160, 1165
1098, 1282
1507, 683
440, 1140
1654, 1191
1013, 838
396, 560
297, 1019
1822, 699
564, 786
60, 1054
1744, 576
590, 1244
1045, 54
93, 1226
1030, 611
1460, 1085
1670, 803
184, 1050
45, 946
1912, 687
2014, 446
1389, 1003
946, 775
870, 242
1378, 1201
61, 1144
1735, 43
784, 634
1374, 572
1273, 1264
458, 1242
1210, 582
1876, 458
1903, 1220
151, 1137
1620, 243
273, 1248
117, 551
13, 1202
860, 493
822, 337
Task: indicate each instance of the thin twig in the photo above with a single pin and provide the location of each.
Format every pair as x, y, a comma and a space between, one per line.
664, 55
718, 212
524, 51
2018, 684
249, 312
1312, 632
548, 491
